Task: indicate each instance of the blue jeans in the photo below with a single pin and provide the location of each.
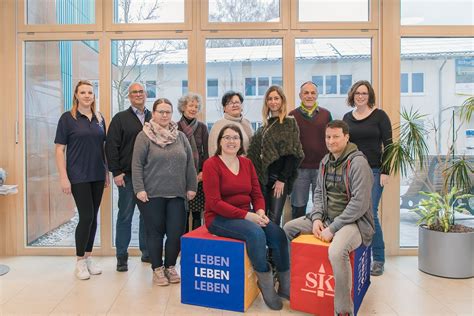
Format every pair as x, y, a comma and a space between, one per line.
306, 179
257, 239
378, 245
123, 228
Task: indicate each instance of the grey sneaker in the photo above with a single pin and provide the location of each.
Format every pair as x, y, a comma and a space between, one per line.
159, 277
377, 268
172, 275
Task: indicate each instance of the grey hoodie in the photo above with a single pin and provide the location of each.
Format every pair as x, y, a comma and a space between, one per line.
359, 208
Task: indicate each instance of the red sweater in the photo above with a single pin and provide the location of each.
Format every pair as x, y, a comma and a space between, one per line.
312, 136
227, 194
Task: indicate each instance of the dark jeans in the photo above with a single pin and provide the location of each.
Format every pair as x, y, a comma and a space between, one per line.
87, 197
274, 205
123, 227
378, 245
163, 216
257, 239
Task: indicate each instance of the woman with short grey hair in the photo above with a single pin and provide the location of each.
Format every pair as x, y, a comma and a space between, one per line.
189, 105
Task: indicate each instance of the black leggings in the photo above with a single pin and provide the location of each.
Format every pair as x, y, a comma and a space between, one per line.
274, 206
87, 197
163, 216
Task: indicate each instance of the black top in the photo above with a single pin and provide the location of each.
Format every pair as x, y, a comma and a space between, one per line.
369, 134
283, 167
84, 140
123, 131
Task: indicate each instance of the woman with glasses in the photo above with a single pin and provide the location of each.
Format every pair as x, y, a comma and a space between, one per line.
83, 172
276, 152
232, 189
189, 106
371, 130
163, 176
232, 104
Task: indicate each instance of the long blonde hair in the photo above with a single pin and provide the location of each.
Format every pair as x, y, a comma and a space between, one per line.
266, 110
75, 101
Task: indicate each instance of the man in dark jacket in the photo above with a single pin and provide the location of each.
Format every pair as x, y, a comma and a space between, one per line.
342, 210
121, 135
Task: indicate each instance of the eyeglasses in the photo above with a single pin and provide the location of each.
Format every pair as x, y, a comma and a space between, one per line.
234, 103
161, 112
137, 92
364, 94
228, 138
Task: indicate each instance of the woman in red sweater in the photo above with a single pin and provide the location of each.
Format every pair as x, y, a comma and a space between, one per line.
231, 186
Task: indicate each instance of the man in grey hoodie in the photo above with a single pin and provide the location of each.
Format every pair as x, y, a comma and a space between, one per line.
342, 209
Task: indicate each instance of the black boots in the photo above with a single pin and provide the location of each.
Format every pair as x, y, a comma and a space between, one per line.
122, 263
267, 287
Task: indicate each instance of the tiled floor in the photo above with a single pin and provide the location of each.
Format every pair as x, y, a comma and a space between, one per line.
46, 285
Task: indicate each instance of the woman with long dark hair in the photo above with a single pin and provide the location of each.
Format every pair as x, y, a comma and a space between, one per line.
371, 130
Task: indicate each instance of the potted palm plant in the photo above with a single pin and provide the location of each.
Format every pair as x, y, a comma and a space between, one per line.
446, 248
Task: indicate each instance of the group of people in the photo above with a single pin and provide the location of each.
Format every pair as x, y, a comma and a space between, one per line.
174, 170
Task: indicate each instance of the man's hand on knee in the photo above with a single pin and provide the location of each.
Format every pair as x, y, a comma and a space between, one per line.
317, 228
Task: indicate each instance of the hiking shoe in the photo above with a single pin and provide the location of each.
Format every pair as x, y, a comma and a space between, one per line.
377, 268
159, 277
122, 263
172, 275
82, 273
93, 267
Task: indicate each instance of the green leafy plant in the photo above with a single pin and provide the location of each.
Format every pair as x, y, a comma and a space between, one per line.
410, 154
438, 211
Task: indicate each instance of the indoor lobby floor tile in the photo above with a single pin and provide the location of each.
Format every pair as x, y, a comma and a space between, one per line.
46, 285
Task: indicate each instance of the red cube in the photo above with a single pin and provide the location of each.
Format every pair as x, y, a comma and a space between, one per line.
312, 279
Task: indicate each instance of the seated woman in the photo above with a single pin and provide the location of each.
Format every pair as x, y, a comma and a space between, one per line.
230, 186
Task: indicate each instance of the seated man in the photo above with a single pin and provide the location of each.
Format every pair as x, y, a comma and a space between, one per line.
342, 211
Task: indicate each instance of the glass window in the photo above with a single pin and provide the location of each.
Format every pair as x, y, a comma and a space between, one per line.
277, 81
184, 87
51, 216
333, 11
436, 12
404, 83
151, 89
317, 58
162, 65
148, 11
331, 84
237, 63
60, 12
436, 59
417, 82
345, 83
263, 85
231, 11
319, 81
212, 88
250, 86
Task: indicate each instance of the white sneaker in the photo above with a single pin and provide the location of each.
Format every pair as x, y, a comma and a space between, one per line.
82, 273
93, 267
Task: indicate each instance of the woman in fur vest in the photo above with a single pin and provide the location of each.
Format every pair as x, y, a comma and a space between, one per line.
276, 152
